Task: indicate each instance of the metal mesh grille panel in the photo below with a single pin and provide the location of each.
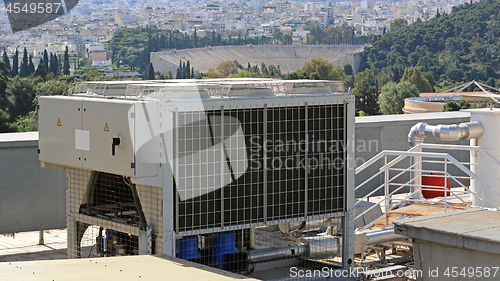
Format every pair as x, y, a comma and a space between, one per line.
103, 217
302, 148
326, 160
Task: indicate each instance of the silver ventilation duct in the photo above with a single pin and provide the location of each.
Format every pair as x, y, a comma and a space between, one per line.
307, 248
463, 131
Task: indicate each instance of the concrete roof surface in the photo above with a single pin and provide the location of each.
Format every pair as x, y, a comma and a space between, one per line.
473, 229
412, 118
28, 136
113, 268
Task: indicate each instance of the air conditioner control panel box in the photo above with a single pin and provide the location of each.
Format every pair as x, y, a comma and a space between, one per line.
108, 135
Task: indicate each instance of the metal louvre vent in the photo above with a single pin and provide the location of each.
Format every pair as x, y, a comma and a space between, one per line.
259, 166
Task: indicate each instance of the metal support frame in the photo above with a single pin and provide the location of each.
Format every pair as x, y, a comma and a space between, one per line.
145, 241
348, 219
169, 206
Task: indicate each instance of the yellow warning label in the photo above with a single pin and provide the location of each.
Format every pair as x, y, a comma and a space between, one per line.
58, 121
106, 128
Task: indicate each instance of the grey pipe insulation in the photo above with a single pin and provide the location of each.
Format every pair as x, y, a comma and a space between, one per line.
462, 131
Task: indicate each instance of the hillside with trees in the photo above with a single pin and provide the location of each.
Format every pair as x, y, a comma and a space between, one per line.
459, 46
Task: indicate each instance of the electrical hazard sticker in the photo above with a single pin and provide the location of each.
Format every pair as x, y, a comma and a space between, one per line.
106, 128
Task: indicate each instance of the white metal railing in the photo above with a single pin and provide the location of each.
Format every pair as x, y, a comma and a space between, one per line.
451, 170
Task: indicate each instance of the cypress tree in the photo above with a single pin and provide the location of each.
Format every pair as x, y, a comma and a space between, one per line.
184, 76
15, 64
180, 70
6, 61
66, 62
24, 72
51, 64
192, 72
40, 70
151, 72
31, 66
396, 77
56, 65
46, 60
178, 74
195, 38
187, 73
59, 66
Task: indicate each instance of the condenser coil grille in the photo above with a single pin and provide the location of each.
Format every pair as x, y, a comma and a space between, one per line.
291, 166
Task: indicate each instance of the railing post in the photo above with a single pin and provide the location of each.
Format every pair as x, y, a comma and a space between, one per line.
419, 168
445, 182
386, 190
474, 169
40, 238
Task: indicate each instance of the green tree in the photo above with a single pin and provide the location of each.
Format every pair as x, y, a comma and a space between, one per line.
6, 60
54, 64
66, 62
31, 66
46, 60
348, 70
28, 123
15, 64
398, 23
187, 70
195, 38
395, 75
169, 74
151, 72
263, 69
454, 106
366, 91
41, 70
325, 69
52, 88
414, 76
5, 125
4, 102
21, 92
428, 75
24, 70
178, 74
463, 104
393, 95
451, 106
224, 69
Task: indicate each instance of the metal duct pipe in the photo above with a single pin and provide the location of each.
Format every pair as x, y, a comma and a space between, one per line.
318, 247
309, 225
273, 254
321, 247
463, 131
383, 235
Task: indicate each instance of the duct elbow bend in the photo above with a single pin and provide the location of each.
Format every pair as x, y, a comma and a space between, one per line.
463, 131
417, 134
474, 129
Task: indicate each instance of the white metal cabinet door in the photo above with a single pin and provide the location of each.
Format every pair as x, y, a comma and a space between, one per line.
147, 139
59, 120
105, 120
